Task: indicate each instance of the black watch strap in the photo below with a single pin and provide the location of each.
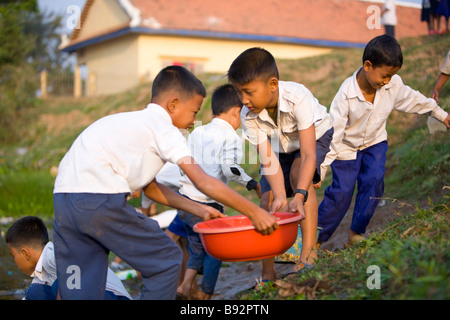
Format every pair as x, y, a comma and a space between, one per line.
303, 192
251, 184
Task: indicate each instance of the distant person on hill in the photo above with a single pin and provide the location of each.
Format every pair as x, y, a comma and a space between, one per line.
429, 15
358, 150
116, 156
218, 149
389, 17
33, 253
443, 10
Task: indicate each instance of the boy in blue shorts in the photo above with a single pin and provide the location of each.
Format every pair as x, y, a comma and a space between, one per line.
218, 149
358, 150
292, 132
117, 156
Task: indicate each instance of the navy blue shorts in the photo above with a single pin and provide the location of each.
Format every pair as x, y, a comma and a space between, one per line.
286, 160
88, 225
177, 227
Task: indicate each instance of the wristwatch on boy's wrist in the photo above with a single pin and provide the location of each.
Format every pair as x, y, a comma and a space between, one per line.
251, 184
303, 192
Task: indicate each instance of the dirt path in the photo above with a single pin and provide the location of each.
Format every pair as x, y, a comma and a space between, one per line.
237, 276
234, 277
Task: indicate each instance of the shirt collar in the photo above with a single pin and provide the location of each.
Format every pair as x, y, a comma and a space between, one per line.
157, 108
39, 266
222, 123
354, 90
285, 99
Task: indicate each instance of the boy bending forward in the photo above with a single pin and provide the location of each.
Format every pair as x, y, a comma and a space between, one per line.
292, 132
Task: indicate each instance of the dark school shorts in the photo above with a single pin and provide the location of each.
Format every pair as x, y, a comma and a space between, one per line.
286, 160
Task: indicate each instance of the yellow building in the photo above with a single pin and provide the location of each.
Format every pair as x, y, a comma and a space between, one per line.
124, 42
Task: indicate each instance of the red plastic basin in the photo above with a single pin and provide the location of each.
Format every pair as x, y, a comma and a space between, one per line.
235, 238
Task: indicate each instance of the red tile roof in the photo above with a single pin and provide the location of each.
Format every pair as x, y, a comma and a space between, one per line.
275, 20
336, 20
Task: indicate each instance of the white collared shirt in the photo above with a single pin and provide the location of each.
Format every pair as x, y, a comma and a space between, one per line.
217, 148
45, 273
359, 124
297, 110
121, 153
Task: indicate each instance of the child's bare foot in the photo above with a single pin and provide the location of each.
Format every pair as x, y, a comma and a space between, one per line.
200, 295
353, 238
183, 293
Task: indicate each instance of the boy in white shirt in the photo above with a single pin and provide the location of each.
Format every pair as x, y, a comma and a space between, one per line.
292, 132
218, 149
33, 253
116, 156
358, 150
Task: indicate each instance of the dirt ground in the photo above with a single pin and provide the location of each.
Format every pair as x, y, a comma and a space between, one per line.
235, 277
238, 276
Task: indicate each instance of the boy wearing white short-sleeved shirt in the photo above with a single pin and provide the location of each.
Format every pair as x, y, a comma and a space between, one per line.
292, 132
358, 150
118, 155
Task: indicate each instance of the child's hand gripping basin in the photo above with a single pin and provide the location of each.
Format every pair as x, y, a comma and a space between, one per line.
236, 239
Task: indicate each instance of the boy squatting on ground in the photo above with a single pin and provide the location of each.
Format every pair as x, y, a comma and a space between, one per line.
33, 253
283, 118
218, 149
116, 156
359, 112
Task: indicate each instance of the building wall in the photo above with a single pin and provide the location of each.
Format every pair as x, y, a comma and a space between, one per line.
206, 55
111, 66
102, 16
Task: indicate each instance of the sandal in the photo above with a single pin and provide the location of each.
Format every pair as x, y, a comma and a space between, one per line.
302, 267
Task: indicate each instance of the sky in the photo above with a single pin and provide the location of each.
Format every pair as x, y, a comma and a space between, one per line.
65, 9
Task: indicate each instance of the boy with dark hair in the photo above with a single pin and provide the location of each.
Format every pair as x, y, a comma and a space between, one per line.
358, 150
292, 132
28, 243
116, 156
218, 149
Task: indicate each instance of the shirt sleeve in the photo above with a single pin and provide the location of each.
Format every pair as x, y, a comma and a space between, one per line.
412, 101
231, 157
172, 146
305, 110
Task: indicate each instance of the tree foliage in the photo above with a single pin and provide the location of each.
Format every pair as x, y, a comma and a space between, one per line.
29, 45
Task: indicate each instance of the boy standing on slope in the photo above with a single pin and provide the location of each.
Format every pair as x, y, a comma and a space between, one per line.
358, 150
